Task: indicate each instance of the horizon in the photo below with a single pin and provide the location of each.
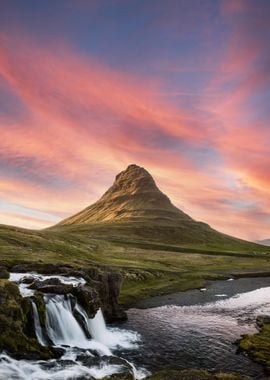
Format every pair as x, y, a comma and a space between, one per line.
181, 89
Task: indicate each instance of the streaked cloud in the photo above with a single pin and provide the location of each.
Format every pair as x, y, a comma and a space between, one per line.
69, 122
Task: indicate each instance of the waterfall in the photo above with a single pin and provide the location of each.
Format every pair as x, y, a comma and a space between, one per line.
98, 328
61, 325
67, 325
113, 338
64, 329
38, 329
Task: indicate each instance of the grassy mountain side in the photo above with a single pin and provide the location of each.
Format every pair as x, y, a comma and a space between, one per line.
148, 268
134, 209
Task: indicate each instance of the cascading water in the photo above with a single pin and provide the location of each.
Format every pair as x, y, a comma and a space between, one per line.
66, 331
38, 329
113, 338
97, 328
62, 327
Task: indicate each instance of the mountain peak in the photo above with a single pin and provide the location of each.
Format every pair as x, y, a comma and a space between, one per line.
133, 179
134, 196
134, 208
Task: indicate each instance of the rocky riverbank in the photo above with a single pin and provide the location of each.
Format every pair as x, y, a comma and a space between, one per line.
257, 346
100, 289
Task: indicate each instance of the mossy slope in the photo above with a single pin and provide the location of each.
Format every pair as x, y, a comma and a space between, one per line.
14, 317
257, 346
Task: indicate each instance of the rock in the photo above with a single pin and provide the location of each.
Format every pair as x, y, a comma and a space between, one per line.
15, 314
125, 373
104, 284
4, 274
56, 289
37, 284
27, 280
51, 285
257, 346
88, 298
262, 319
109, 289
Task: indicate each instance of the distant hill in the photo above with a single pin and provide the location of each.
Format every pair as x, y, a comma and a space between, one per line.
134, 208
264, 242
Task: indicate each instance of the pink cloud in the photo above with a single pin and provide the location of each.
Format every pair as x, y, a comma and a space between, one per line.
85, 122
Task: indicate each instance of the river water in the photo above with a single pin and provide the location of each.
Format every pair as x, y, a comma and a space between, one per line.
197, 328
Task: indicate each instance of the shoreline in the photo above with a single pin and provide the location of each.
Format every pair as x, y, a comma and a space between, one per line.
178, 291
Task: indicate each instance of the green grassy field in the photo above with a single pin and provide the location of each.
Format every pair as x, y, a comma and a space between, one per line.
149, 268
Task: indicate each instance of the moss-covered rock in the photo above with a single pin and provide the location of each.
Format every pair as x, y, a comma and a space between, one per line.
257, 346
4, 274
14, 318
41, 306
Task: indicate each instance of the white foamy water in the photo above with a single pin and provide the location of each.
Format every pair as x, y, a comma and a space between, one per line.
38, 329
201, 335
64, 329
25, 292
65, 319
255, 302
30, 370
250, 303
114, 337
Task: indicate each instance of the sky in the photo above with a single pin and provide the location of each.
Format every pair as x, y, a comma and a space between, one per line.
179, 87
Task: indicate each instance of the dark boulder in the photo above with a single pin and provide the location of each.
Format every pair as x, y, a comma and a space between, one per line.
88, 298
262, 319
109, 289
27, 280
125, 370
37, 284
56, 289
4, 274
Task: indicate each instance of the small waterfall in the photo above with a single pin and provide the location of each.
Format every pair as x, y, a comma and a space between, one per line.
67, 325
61, 325
98, 329
64, 329
113, 338
38, 329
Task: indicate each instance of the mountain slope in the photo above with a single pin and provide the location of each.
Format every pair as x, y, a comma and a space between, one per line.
264, 242
135, 209
134, 196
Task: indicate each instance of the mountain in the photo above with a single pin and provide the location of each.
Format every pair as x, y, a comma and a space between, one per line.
134, 196
134, 208
264, 242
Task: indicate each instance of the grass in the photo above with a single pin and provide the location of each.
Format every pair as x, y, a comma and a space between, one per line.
258, 346
149, 268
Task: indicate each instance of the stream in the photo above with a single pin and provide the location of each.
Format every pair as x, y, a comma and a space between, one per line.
197, 328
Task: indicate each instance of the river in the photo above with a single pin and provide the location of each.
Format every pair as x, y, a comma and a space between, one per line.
197, 328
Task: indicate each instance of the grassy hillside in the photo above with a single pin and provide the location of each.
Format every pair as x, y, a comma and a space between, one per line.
149, 268
134, 209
